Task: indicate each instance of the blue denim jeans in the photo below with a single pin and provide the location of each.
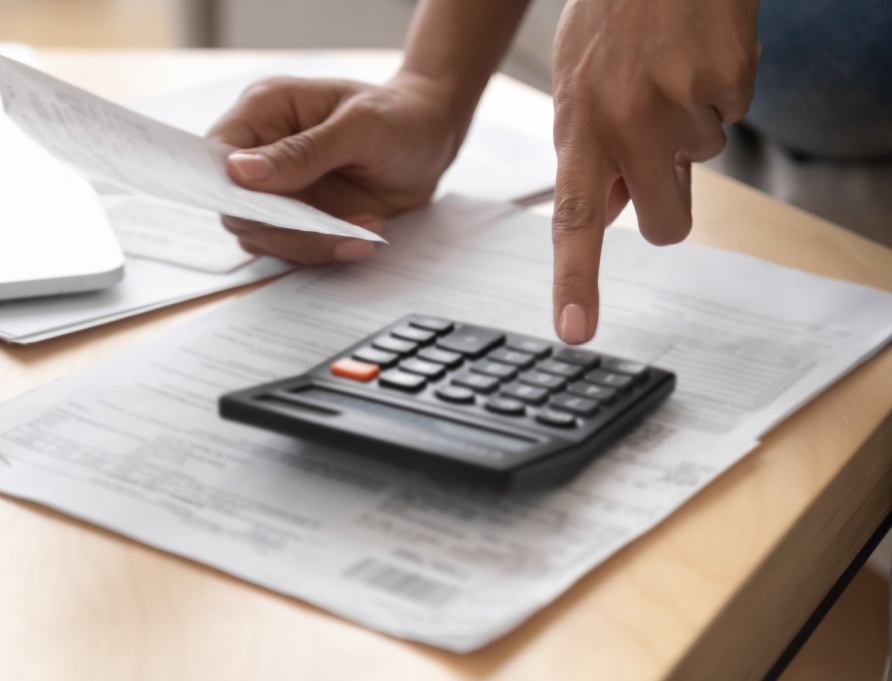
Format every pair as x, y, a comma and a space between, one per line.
824, 84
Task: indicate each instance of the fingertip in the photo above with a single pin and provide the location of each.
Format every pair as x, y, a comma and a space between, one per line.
249, 166
575, 324
353, 250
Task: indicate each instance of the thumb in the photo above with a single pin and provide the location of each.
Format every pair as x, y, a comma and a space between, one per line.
295, 162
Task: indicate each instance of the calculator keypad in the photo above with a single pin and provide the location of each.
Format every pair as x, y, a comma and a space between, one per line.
506, 375
370, 355
472, 341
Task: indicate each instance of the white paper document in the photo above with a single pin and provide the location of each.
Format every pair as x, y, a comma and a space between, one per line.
500, 160
108, 140
134, 444
147, 286
173, 233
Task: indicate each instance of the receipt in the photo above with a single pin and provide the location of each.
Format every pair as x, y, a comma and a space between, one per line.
110, 141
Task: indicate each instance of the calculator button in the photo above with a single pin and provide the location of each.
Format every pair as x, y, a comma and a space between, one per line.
562, 369
522, 360
372, 356
621, 366
609, 380
506, 405
574, 404
547, 381
418, 366
402, 380
476, 382
559, 419
593, 392
455, 393
410, 333
504, 372
358, 371
526, 393
471, 340
391, 344
434, 324
539, 349
445, 357
584, 358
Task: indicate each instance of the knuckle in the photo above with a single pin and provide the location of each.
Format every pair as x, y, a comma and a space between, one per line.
572, 214
298, 150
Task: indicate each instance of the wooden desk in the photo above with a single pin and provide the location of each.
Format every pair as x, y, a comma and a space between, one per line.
715, 593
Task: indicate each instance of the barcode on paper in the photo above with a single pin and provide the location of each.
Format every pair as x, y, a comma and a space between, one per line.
402, 583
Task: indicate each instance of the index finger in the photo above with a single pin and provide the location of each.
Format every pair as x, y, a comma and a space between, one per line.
582, 188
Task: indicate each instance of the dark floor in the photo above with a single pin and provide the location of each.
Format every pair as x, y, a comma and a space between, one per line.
855, 195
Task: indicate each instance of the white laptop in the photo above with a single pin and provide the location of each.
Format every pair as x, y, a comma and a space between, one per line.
54, 235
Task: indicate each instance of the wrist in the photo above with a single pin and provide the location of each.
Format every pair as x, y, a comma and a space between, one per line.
454, 98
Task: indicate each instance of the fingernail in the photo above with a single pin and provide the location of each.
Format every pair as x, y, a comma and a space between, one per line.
354, 249
573, 324
252, 167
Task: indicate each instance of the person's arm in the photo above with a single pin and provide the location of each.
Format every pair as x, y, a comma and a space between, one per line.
458, 44
362, 152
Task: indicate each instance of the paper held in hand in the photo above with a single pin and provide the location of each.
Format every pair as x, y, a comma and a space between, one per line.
106, 139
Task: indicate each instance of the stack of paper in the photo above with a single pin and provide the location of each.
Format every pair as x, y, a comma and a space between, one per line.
134, 444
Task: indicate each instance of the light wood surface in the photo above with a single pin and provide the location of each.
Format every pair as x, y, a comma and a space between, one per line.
714, 593
90, 23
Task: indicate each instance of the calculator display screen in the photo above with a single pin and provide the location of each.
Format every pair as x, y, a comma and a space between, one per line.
427, 427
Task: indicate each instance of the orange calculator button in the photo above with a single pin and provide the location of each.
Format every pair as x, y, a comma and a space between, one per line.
358, 371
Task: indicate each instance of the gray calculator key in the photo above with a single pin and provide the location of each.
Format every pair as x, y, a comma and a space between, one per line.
562, 369
414, 334
622, 366
445, 357
505, 405
547, 381
434, 324
397, 345
380, 357
559, 419
522, 360
609, 380
471, 340
504, 372
477, 382
530, 394
456, 394
537, 348
580, 406
592, 391
402, 380
418, 366
584, 358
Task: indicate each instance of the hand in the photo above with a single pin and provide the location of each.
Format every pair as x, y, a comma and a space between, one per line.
641, 90
357, 151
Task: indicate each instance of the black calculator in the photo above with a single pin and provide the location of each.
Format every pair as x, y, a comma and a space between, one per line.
481, 405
